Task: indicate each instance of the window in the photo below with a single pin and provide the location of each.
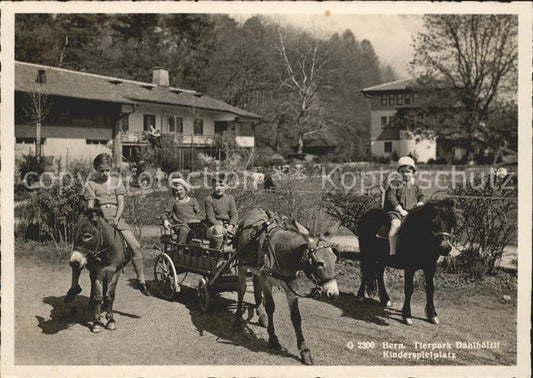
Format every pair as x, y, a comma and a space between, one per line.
96, 142
383, 122
125, 123
388, 147
198, 126
149, 120
29, 140
399, 100
179, 125
220, 126
383, 99
407, 99
391, 99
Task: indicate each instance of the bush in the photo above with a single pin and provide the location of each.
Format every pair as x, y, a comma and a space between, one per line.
163, 154
52, 212
488, 220
30, 163
349, 207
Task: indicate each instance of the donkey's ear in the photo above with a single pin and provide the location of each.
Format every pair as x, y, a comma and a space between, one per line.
302, 231
332, 230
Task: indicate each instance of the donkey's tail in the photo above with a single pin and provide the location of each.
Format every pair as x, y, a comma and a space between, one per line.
368, 269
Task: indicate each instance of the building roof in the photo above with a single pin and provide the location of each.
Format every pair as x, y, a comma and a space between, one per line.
397, 85
390, 133
68, 83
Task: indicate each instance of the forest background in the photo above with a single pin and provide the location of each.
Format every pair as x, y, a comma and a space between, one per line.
304, 85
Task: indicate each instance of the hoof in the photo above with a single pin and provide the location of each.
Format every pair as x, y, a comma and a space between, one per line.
306, 357
274, 344
434, 320
360, 298
97, 327
408, 321
111, 325
71, 294
387, 304
263, 320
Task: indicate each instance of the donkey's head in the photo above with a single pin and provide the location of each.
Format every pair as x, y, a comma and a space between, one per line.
318, 262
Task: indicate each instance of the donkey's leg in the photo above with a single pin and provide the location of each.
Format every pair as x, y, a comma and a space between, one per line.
383, 296
98, 299
240, 297
362, 288
259, 308
430, 307
110, 297
92, 302
408, 290
270, 307
296, 319
75, 288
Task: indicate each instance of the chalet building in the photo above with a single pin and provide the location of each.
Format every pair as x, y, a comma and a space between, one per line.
90, 114
387, 139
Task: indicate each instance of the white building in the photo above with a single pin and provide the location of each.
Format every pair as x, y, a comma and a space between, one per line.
92, 113
386, 138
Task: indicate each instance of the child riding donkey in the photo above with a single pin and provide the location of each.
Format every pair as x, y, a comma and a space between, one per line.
402, 195
106, 193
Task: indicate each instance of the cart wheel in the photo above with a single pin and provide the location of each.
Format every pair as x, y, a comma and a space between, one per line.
165, 276
203, 295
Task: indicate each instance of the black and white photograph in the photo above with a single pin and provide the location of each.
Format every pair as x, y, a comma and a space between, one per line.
248, 189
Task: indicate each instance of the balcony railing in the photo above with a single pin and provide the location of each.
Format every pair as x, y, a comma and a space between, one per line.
184, 139
179, 139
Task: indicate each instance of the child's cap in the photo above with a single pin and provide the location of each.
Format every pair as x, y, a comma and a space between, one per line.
406, 161
178, 181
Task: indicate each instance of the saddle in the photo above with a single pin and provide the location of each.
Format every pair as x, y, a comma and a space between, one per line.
265, 258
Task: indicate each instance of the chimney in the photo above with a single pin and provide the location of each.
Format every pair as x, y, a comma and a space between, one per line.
160, 76
41, 77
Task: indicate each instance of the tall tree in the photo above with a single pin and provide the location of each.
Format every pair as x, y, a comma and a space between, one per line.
465, 64
303, 63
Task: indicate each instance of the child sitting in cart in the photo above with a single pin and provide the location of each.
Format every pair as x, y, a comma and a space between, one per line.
221, 212
182, 211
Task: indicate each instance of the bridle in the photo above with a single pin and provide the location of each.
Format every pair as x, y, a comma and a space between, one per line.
309, 260
97, 252
449, 237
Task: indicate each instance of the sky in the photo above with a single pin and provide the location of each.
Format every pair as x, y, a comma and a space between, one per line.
390, 34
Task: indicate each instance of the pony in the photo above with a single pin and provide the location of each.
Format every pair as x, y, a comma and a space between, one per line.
288, 251
425, 234
99, 247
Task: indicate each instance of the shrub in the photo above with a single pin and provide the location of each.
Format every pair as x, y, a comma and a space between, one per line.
488, 220
29, 163
349, 207
55, 209
163, 154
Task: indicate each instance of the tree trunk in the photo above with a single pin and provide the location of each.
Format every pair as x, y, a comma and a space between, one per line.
38, 141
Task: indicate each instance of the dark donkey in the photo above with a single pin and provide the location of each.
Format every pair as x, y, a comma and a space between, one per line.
287, 252
100, 248
424, 236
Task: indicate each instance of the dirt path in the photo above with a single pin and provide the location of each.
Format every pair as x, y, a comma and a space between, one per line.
152, 331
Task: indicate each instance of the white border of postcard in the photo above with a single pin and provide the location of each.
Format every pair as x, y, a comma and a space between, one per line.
524, 10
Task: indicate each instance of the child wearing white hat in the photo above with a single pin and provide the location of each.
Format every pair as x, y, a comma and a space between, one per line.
400, 197
182, 210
